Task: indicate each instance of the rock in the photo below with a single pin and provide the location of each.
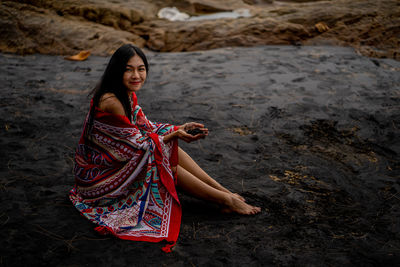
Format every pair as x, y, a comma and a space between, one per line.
66, 27
213, 6
118, 14
155, 36
258, 2
26, 29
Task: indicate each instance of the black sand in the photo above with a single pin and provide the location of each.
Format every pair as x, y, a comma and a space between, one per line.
310, 134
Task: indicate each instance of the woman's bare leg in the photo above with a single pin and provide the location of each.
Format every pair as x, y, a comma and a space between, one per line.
191, 166
196, 187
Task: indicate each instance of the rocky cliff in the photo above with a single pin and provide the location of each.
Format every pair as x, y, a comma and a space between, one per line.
66, 27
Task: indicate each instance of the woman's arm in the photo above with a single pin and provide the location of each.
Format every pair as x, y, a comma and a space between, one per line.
110, 103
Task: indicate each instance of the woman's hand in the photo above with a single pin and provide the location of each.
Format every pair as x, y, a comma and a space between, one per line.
193, 125
182, 134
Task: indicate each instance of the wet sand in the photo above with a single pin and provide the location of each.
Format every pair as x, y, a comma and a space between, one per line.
310, 134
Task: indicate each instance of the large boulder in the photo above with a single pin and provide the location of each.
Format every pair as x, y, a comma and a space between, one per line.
27, 29
201, 35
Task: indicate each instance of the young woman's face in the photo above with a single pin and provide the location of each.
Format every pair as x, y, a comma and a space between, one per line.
134, 75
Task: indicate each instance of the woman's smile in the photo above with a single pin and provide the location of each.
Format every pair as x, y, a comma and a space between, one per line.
136, 82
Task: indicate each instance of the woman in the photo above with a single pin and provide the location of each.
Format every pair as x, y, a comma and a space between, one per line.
127, 167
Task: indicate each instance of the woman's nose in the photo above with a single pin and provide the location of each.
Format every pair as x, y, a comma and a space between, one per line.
135, 74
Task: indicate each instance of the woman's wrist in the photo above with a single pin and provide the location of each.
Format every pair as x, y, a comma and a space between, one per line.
183, 127
169, 137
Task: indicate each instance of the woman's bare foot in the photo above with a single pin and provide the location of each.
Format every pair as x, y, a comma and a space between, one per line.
237, 205
223, 189
239, 196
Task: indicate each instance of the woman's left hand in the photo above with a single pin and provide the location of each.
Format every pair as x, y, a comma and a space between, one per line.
181, 133
193, 125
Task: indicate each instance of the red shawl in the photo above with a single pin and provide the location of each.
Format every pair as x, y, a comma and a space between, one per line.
123, 176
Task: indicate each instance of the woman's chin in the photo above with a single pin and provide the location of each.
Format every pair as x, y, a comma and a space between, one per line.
133, 89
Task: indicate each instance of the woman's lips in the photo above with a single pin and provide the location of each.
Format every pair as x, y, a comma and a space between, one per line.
136, 83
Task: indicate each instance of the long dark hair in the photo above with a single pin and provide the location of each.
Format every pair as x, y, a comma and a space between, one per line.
111, 81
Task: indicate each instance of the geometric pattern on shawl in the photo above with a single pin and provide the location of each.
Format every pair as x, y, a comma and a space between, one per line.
123, 178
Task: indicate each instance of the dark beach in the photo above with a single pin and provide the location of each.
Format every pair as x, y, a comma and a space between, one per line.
310, 134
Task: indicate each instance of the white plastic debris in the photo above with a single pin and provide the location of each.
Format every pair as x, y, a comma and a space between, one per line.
172, 14
242, 12
238, 13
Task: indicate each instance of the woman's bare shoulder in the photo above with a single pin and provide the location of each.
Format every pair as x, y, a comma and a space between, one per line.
110, 103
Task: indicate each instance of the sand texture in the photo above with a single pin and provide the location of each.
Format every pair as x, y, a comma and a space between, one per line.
310, 134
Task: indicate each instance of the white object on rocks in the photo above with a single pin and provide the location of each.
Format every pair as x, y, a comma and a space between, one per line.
237, 13
172, 14
242, 12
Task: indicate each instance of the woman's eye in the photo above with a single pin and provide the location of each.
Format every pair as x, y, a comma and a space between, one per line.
128, 70
142, 69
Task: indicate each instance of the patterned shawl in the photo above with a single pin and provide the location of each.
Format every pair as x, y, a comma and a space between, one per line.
123, 177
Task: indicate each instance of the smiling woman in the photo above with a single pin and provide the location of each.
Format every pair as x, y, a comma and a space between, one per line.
127, 167
133, 79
